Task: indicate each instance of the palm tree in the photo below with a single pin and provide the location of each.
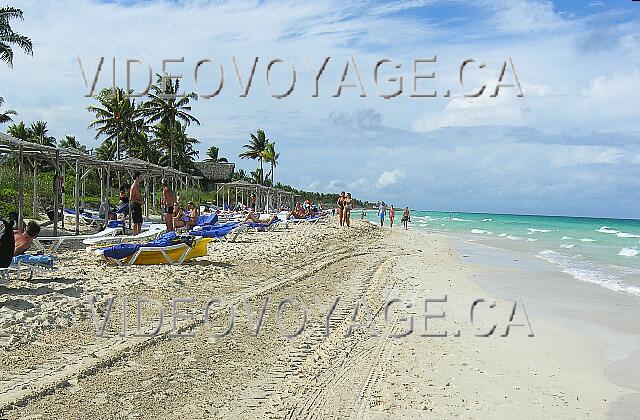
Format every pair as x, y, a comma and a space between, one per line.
213, 155
39, 133
19, 131
183, 144
70, 142
168, 107
5, 116
116, 120
8, 38
256, 148
270, 156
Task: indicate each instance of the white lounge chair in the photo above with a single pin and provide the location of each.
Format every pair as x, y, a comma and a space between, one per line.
153, 232
55, 242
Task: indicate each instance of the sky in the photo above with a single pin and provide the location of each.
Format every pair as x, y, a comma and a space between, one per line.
564, 139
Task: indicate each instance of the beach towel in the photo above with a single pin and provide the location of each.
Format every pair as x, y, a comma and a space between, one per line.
7, 244
42, 260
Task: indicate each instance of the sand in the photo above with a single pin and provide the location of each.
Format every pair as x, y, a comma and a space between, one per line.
52, 364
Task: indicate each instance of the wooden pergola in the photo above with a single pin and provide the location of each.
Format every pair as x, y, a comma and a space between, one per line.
82, 164
266, 197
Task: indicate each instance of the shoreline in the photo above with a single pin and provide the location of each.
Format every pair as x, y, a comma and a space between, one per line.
65, 370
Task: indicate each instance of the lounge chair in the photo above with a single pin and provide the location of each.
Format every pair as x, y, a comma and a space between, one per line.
27, 263
84, 217
168, 249
263, 227
152, 232
55, 242
228, 232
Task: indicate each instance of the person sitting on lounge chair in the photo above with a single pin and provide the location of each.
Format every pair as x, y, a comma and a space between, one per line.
298, 212
178, 218
23, 241
191, 216
255, 219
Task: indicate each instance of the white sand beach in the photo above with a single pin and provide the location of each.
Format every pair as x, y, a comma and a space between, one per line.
52, 365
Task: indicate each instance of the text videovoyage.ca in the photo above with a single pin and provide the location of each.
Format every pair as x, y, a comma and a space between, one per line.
387, 78
426, 317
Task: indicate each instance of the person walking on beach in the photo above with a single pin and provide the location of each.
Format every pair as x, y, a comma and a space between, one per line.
406, 218
168, 203
135, 200
348, 205
392, 214
382, 210
340, 204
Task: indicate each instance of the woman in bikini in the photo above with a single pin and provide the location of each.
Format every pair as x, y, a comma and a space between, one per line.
340, 204
191, 216
348, 205
392, 214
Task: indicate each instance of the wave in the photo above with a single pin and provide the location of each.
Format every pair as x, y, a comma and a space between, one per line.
568, 246
480, 231
487, 220
531, 240
566, 238
629, 252
532, 231
502, 235
455, 219
587, 240
627, 235
607, 229
586, 272
514, 238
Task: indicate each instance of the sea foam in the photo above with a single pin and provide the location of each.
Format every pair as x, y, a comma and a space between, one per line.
607, 229
629, 252
627, 235
480, 231
586, 272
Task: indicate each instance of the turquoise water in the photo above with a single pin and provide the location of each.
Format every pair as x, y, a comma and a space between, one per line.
602, 251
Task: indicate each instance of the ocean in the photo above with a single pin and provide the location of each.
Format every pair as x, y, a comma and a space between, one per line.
596, 250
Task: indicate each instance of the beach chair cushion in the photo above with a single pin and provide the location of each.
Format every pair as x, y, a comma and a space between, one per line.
40, 260
218, 231
207, 220
121, 251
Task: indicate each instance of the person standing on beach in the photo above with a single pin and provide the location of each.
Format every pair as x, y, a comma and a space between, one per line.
406, 218
348, 205
340, 204
382, 210
135, 200
168, 203
392, 214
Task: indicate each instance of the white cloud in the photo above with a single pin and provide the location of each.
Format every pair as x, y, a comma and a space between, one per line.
389, 178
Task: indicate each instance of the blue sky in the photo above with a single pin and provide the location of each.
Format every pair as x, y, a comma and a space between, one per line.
571, 145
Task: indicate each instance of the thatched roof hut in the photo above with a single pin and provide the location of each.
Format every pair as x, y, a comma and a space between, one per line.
214, 172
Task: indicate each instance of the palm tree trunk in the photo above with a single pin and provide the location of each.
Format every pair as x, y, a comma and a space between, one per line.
171, 143
261, 173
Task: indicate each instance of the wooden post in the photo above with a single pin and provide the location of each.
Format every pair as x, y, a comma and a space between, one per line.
56, 195
20, 187
35, 186
76, 196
